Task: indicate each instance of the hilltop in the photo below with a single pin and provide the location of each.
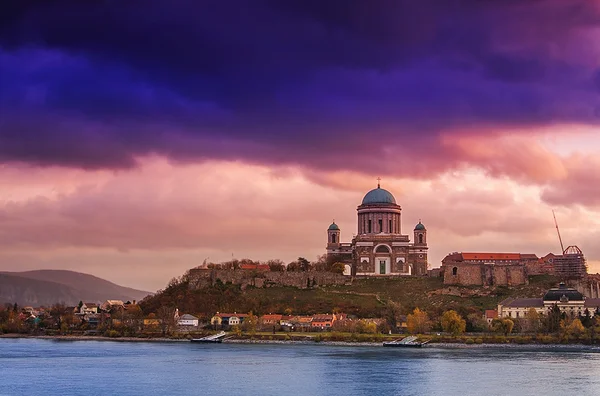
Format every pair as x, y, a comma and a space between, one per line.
47, 287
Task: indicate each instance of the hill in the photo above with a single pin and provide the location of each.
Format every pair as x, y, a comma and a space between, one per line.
371, 297
47, 287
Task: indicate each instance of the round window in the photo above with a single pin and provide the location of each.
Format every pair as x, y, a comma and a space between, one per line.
420, 256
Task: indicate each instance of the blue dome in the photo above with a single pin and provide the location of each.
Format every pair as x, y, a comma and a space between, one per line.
420, 227
379, 196
334, 226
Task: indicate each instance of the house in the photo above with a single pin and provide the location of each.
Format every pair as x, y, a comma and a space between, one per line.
151, 321
227, 319
110, 305
88, 308
490, 315
187, 320
322, 321
270, 319
568, 300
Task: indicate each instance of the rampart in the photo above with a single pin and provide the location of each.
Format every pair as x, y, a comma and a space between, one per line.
485, 274
201, 278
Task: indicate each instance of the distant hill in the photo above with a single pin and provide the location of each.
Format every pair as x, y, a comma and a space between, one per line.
47, 287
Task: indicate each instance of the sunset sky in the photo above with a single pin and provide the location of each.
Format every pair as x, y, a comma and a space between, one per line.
138, 138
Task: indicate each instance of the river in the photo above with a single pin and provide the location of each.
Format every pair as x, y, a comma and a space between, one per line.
49, 367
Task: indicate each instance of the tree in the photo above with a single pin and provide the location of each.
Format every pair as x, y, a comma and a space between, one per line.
418, 322
276, 265
504, 326
453, 323
304, 264
166, 316
250, 323
553, 319
586, 319
365, 326
532, 321
392, 314
575, 329
476, 322
338, 268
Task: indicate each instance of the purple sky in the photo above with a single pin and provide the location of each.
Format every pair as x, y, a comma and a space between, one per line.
331, 93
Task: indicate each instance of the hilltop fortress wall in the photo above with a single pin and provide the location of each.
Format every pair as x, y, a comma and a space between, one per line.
485, 275
205, 277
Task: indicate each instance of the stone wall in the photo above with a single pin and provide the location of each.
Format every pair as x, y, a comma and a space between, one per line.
484, 275
588, 286
200, 278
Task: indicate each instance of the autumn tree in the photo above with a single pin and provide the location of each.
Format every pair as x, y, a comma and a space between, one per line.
531, 323
366, 327
250, 323
418, 322
453, 323
575, 329
504, 326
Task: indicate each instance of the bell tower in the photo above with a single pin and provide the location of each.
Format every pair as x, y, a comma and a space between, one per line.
420, 235
333, 236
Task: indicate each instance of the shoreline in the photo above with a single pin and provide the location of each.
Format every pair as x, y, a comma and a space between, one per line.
439, 345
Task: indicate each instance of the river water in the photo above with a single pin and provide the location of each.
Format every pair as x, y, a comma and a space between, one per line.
48, 367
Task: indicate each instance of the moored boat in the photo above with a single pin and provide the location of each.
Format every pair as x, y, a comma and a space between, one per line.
215, 338
406, 342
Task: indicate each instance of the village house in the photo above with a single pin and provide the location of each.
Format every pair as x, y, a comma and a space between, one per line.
110, 305
88, 308
322, 321
227, 319
187, 320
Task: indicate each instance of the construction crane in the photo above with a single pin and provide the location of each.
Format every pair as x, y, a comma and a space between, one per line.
562, 248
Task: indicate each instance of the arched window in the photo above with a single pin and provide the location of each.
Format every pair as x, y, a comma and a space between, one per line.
420, 238
332, 238
454, 271
382, 249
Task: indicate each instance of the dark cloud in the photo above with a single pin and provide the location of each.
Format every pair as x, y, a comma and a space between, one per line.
336, 85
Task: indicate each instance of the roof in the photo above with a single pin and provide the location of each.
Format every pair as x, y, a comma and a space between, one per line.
114, 302
254, 266
334, 226
529, 256
525, 303
420, 227
229, 315
491, 314
491, 256
592, 303
187, 317
91, 305
318, 318
379, 196
563, 292
271, 317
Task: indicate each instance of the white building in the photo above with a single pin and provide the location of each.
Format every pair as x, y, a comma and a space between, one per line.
187, 320
569, 301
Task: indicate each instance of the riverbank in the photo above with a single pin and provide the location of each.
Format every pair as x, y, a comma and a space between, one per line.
548, 342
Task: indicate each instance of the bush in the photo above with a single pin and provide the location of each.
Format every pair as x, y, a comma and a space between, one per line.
112, 334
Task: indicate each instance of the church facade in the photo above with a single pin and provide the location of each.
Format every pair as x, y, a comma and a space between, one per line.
380, 248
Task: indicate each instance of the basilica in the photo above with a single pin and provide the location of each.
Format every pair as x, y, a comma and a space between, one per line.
380, 248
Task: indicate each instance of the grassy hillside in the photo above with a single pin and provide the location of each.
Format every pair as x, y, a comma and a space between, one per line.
364, 298
47, 287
